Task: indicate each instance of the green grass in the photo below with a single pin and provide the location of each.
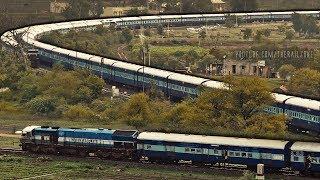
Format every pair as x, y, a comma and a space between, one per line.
14, 166
172, 49
9, 142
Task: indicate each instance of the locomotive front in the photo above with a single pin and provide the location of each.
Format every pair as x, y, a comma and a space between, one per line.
27, 137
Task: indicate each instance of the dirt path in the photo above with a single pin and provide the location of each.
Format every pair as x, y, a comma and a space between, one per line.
10, 135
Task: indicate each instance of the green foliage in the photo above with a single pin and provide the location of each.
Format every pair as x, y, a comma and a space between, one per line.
195, 6
283, 28
236, 107
78, 9
304, 24
289, 34
267, 125
77, 112
9, 107
160, 29
42, 105
126, 36
100, 30
259, 36
247, 33
305, 81
11, 71
147, 32
286, 70
232, 21
266, 32
137, 111
202, 34
241, 5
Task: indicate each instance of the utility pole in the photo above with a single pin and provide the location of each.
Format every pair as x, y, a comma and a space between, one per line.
149, 57
144, 64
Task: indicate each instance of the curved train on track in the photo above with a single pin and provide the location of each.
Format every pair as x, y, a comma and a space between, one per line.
304, 113
165, 147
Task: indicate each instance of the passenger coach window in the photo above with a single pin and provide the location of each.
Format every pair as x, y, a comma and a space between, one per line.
295, 158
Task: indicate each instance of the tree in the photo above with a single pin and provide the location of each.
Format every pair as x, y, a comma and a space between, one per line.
126, 36
232, 20
218, 53
249, 96
289, 35
235, 107
99, 7
243, 5
247, 33
266, 32
286, 70
160, 29
258, 37
304, 24
202, 35
78, 9
305, 81
79, 112
196, 6
265, 124
297, 22
42, 105
147, 32
100, 30
137, 111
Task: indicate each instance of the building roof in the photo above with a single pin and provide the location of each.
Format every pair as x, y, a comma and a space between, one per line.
217, 2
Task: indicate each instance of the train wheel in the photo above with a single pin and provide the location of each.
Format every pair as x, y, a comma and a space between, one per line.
83, 153
103, 154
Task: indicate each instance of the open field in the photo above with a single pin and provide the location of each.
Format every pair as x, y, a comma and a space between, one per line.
217, 35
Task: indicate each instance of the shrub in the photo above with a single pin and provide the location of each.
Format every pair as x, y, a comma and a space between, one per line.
42, 105
8, 107
80, 112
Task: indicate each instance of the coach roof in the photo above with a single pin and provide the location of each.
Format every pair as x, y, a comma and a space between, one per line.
306, 146
212, 140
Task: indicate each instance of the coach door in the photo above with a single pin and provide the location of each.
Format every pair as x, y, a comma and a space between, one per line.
205, 153
266, 158
170, 150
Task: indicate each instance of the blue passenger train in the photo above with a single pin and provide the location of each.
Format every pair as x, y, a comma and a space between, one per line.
166, 147
304, 113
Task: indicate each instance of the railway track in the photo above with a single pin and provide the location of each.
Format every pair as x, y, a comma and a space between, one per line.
184, 167
11, 151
